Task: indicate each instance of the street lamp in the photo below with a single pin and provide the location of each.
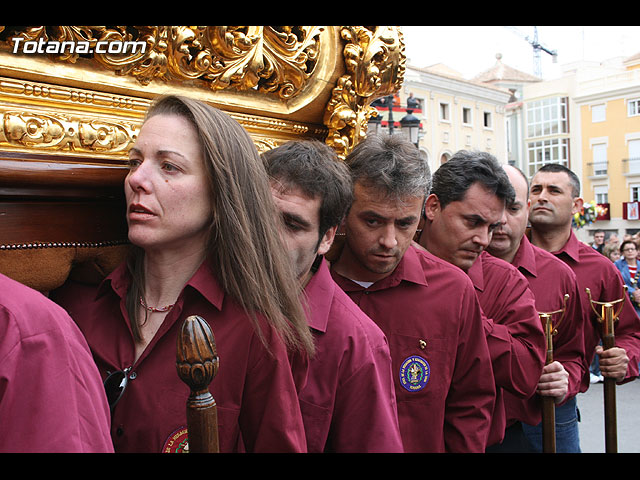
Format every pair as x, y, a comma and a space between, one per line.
389, 101
410, 125
374, 125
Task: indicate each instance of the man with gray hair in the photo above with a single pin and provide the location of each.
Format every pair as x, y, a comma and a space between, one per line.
347, 396
427, 308
466, 204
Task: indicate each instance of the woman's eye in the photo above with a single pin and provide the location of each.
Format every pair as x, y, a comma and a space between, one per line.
169, 167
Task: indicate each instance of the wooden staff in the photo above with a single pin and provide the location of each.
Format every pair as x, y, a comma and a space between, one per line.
197, 363
548, 403
607, 317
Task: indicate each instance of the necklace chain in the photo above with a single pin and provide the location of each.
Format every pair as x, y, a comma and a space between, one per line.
154, 309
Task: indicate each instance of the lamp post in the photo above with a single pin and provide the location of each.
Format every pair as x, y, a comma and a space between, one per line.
374, 125
410, 125
389, 100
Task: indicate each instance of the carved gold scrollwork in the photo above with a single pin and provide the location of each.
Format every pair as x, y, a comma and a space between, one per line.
375, 62
273, 60
58, 132
276, 61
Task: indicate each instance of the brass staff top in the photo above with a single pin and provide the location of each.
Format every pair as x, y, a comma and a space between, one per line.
546, 316
607, 316
549, 329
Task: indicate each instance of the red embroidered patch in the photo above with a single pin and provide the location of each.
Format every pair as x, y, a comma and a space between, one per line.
178, 442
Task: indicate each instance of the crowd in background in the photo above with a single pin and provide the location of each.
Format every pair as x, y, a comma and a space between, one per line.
624, 254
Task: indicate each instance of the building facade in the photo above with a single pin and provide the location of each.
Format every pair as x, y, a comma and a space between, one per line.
609, 111
588, 120
503, 76
454, 113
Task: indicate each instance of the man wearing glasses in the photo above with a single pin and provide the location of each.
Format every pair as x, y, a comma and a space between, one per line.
628, 266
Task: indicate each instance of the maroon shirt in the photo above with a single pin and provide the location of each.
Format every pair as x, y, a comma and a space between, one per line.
441, 365
254, 391
599, 274
348, 403
514, 333
51, 394
549, 280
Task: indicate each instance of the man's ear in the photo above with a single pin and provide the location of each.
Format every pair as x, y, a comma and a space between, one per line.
578, 203
431, 207
327, 240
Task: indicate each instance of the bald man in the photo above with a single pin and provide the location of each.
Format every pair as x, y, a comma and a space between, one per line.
549, 279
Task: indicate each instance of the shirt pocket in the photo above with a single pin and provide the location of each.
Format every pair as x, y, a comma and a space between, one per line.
229, 436
419, 366
317, 420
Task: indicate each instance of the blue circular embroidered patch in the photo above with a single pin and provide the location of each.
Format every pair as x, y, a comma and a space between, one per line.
414, 373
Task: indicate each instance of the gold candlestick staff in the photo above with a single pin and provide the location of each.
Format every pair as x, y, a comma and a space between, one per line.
548, 405
607, 317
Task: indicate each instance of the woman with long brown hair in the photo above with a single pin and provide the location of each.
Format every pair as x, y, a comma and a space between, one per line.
201, 221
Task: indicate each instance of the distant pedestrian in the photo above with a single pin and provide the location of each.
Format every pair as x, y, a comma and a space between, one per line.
598, 240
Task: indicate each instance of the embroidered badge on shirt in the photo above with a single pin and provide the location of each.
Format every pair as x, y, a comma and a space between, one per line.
414, 373
178, 442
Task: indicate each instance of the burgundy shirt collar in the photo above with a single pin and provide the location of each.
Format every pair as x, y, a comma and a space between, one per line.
203, 280
409, 269
318, 297
525, 257
476, 272
571, 248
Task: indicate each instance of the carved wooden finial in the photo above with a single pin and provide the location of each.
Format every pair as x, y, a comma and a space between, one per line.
197, 364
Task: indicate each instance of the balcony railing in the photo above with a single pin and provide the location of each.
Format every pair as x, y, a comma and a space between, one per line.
631, 166
597, 169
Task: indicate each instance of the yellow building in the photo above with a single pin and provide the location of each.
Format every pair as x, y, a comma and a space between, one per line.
589, 120
608, 102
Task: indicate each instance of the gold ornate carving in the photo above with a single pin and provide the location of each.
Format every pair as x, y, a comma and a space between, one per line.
278, 82
273, 60
52, 123
58, 132
375, 62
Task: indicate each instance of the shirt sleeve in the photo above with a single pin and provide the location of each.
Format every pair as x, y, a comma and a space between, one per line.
51, 396
568, 342
366, 419
270, 417
627, 328
472, 395
515, 337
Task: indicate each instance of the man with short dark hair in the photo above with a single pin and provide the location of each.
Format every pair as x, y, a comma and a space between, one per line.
466, 204
598, 240
549, 279
555, 198
346, 394
426, 307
